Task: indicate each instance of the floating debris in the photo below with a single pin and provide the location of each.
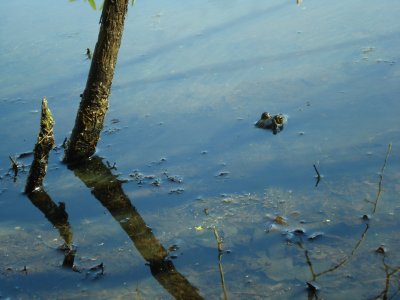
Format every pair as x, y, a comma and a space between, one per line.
111, 130
24, 154
294, 235
111, 167
176, 191
173, 247
381, 250
156, 183
313, 286
25, 270
162, 159
137, 176
97, 267
280, 220
93, 272
88, 53
174, 178
366, 50
223, 174
272, 227
366, 217
298, 231
315, 235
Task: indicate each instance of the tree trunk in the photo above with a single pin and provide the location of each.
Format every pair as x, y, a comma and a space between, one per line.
94, 104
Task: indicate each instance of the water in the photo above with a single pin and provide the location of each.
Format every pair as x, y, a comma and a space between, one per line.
190, 82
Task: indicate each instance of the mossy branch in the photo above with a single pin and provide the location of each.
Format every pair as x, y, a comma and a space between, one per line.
45, 143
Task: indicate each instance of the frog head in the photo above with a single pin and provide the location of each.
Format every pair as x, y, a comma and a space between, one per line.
265, 116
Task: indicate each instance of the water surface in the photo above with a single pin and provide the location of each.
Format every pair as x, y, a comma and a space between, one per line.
191, 81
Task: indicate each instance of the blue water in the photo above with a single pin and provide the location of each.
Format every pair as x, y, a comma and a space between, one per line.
191, 81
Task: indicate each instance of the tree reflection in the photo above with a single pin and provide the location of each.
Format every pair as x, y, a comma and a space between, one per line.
58, 217
56, 214
107, 188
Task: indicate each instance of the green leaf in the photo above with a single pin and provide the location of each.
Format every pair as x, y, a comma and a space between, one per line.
92, 4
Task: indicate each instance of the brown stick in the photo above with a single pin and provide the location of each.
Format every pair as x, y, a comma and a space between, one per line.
45, 143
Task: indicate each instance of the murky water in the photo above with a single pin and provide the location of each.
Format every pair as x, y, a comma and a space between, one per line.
191, 80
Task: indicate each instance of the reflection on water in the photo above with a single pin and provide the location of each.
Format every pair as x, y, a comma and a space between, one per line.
191, 81
108, 190
56, 214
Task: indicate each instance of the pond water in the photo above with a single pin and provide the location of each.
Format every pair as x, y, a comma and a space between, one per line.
181, 169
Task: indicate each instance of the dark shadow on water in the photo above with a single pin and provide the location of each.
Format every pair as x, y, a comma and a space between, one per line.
240, 64
227, 66
161, 49
56, 214
107, 188
205, 34
58, 217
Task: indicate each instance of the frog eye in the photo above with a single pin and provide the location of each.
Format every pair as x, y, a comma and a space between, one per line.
265, 115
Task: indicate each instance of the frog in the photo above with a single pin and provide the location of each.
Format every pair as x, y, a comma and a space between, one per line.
275, 123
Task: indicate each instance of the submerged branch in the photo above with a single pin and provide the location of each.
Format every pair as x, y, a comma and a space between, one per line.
218, 239
363, 234
347, 258
309, 263
221, 271
378, 195
389, 273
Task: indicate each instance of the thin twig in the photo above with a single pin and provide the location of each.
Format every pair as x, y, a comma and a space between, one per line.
14, 164
378, 195
318, 175
347, 258
316, 171
221, 271
218, 239
364, 233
